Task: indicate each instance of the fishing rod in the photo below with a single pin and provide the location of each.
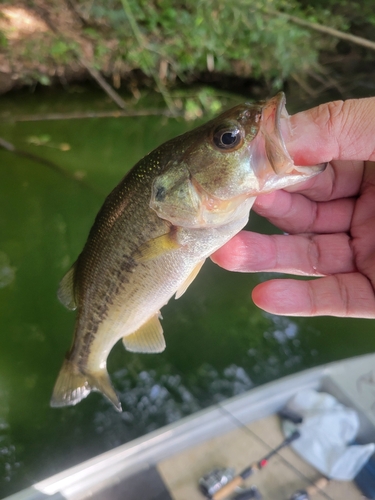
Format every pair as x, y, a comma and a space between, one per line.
229, 488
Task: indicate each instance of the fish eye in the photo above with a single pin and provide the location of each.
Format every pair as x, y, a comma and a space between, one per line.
227, 138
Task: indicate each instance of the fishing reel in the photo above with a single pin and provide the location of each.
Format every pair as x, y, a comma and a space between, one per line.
300, 495
212, 482
221, 483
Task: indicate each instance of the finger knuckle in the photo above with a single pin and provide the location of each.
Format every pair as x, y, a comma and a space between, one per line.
344, 294
332, 117
314, 255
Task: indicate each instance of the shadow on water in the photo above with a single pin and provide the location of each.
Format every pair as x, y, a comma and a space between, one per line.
218, 343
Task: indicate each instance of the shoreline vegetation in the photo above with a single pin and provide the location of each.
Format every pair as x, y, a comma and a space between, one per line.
130, 45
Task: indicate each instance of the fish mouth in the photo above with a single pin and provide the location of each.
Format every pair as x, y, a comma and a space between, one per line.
273, 113
273, 164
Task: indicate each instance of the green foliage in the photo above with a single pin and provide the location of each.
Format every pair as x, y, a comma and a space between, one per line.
43, 79
347, 11
3, 40
169, 39
61, 50
196, 35
248, 38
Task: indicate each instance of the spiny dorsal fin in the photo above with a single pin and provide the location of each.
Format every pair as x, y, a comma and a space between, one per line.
185, 285
72, 386
65, 292
148, 339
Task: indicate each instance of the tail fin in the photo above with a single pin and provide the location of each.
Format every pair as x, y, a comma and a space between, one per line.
72, 386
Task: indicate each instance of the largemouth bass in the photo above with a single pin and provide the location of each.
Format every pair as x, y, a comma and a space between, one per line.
176, 206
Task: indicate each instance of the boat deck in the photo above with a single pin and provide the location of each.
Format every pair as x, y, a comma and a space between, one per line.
285, 473
167, 463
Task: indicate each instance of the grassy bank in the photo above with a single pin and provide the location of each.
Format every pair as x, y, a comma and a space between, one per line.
164, 43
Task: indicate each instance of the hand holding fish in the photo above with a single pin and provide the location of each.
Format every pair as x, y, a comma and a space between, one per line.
329, 219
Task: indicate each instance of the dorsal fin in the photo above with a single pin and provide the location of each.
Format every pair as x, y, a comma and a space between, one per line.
148, 339
65, 292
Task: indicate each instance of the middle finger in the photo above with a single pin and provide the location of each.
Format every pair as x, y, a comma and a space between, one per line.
294, 213
304, 255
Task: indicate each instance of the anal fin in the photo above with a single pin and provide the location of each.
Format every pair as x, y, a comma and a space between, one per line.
185, 285
72, 386
148, 339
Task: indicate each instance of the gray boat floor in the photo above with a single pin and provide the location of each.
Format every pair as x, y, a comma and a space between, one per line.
146, 485
285, 473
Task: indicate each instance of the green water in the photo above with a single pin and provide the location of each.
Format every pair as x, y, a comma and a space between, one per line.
218, 343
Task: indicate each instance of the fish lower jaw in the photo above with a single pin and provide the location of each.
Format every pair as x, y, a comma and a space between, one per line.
220, 214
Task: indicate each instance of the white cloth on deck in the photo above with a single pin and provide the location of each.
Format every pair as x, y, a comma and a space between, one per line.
327, 429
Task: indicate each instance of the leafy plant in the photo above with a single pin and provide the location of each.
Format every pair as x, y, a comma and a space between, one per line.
171, 39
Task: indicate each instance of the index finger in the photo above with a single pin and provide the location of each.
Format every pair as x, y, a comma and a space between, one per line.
340, 179
335, 130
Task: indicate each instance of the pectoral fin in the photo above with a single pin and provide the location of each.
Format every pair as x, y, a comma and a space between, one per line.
65, 292
148, 339
158, 246
182, 289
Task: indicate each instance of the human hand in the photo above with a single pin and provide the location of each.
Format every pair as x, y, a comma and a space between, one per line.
330, 220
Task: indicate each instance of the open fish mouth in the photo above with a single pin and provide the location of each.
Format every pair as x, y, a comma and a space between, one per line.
273, 113
270, 155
